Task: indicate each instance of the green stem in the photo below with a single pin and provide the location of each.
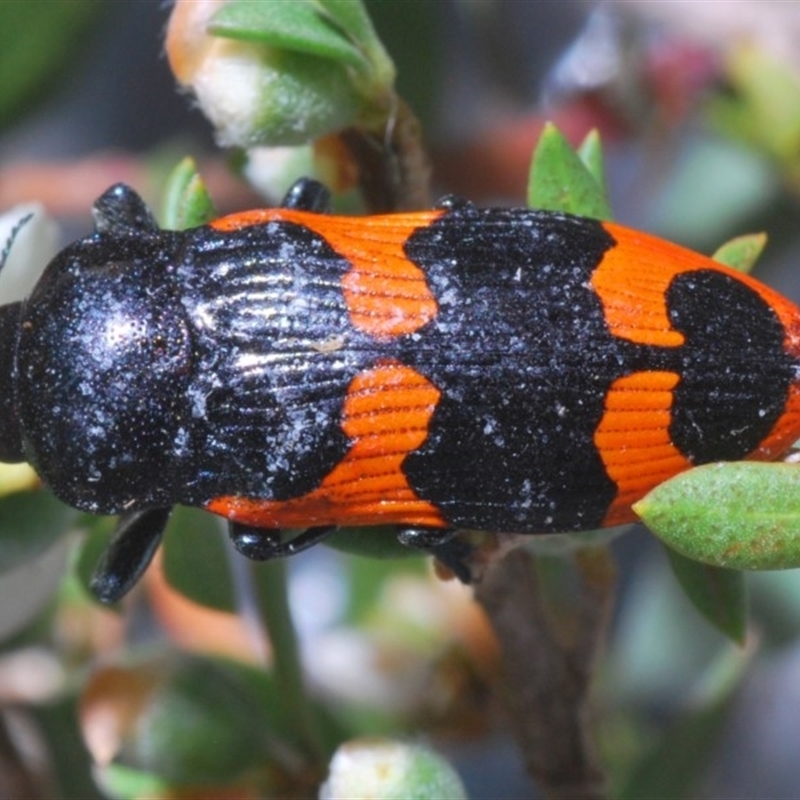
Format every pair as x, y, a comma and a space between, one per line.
272, 592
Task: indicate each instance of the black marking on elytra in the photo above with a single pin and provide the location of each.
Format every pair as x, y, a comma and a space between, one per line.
267, 394
735, 373
523, 357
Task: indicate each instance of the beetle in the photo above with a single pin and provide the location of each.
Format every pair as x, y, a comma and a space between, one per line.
507, 370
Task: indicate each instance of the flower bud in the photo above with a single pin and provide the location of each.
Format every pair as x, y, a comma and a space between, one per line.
382, 769
277, 85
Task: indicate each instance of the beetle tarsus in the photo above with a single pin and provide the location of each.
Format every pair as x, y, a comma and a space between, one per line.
264, 544
423, 538
136, 539
444, 545
452, 202
306, 194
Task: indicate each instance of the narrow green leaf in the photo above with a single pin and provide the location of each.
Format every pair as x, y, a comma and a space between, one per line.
719, 594
39, 42
30, 522
196, 560
296, 26
560, 181
186, 199
352, 18
742, 252
590, 152
741, 515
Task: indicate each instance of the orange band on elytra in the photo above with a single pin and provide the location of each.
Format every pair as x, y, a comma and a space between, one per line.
634, 444
632, 280
633, 439
386, 294
386, 416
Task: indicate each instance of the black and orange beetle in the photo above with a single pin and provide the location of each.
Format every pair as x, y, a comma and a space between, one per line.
460, 368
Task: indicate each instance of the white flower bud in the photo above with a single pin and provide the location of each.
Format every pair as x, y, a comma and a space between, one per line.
383, 769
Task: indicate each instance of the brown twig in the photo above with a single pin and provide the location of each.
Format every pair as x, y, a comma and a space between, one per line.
549, 648
392, 164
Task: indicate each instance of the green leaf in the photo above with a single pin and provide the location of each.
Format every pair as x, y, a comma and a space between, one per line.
30, 522
297, 26
719, 594
39, 41
560, 181
742, 252
675, 765
661, 643
354, 21
126, 783
590, 152
204, 725
763, 107
196, 560
711, 189
741, 515
350, 17
187, 203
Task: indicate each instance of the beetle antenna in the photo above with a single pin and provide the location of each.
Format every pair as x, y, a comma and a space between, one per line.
12, 237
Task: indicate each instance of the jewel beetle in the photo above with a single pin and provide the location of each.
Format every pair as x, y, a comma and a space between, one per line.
507, 370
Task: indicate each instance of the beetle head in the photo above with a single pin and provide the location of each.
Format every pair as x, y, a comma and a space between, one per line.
100, 366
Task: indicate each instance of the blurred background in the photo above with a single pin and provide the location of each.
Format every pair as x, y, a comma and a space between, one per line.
698, 104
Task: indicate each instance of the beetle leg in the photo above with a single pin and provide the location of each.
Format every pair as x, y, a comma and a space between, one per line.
444, 545
452, 202
306, 194
263, 544
136, 538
